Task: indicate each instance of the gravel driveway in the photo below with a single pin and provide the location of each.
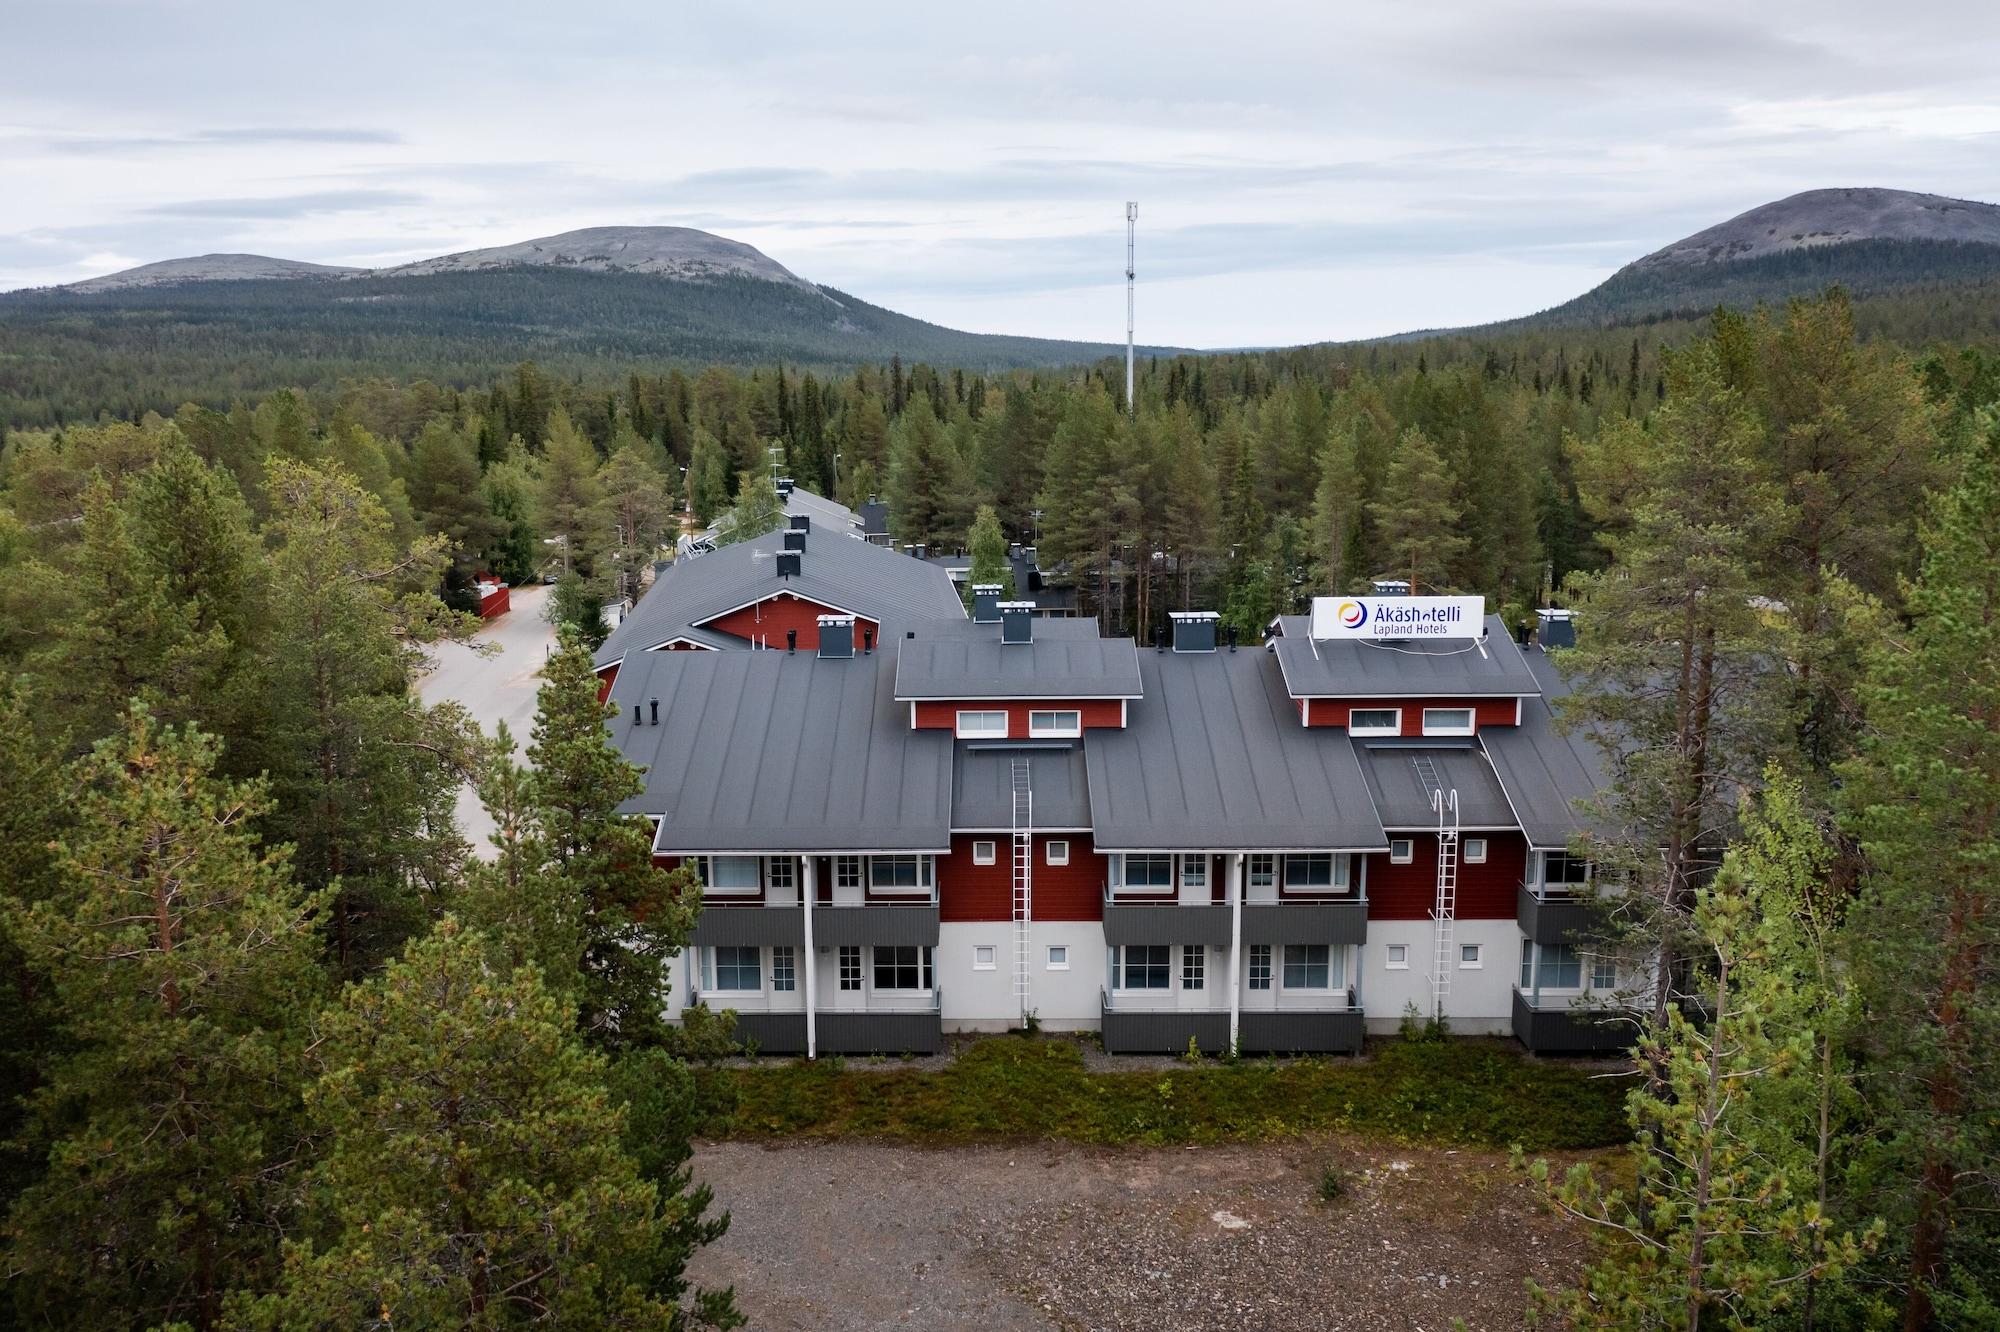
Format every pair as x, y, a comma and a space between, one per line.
844, 1235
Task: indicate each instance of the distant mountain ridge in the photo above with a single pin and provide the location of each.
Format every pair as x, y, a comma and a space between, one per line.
210, 268
1832, 217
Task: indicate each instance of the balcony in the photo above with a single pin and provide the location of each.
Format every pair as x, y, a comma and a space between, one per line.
1127, 921
1137, 1023
1139, 1026
751, 924
1557, 914
887, 1027
1560, 1026
905, 921
1338, 921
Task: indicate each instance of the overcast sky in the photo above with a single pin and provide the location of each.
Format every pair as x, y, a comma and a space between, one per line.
1303, 171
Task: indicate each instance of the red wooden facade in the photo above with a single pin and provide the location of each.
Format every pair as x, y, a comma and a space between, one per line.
969, 892
1096, 712
1485, 711
766, 622
1485, 892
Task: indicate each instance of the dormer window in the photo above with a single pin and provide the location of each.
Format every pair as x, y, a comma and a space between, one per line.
982, 725
1060, 724
1363, 722
1448, 721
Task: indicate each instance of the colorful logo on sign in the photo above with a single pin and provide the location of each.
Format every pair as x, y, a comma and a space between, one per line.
1352, 614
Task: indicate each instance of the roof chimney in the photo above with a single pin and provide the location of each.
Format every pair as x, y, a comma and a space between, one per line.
784, 486
1555, 628
917, 549
1013, 550
1392, 587
802, 522
795, 539
1194, 631
788, 563
986, 603
791, 640
836, 636
1028, 554
1017, 621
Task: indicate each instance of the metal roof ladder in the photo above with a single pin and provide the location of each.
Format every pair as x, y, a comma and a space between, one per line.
1024, 883
1443, 960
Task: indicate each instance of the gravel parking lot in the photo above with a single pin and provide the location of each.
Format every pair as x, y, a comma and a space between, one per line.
847, 1235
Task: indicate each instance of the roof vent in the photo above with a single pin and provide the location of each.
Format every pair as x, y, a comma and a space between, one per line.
917, 549
1028, 554
986, 603
1017, 621
836, 636
802, 522
783, 486
1194, 631
788, 563
1392, 587
1555, 628
795, 539
1013, 550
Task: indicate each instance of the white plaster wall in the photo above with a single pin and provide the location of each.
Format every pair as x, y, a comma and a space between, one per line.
977, 1000
1480, 1000
1067, 1000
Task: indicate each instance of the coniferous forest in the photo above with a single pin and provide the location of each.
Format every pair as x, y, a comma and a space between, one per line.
285, 1054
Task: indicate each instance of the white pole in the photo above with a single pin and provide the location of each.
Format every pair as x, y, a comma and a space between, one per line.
1235, 946
809, 896
1131, 229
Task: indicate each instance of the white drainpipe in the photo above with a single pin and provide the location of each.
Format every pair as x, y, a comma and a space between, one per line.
1235, 946
809, 896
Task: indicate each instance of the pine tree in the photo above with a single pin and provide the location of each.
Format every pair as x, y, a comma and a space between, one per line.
1419, 520
447, 500
988, 545
757, 512
182, 960
568, 496
634, 519
1924, 799
473, 1172
707, 479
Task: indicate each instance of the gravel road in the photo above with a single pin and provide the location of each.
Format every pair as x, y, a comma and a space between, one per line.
846, 1236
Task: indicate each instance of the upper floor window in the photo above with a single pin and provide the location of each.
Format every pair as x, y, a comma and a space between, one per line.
1475, 850
1562, 870
1374, 721
1056, 725
783, 871
984, 853
982, 725
1262, 869
1318, 871
1150, 870
1194, 871
847, 871
1447, 721
899, 874
730, 875
1056, 851
1401, 850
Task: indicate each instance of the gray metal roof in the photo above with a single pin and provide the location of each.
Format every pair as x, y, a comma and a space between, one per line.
1356, 668
836, 571
1064, 663
982, 788
1545, 773
1402, 776
1215, 758
778, 751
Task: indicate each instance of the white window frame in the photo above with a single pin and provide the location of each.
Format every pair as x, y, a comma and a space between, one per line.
1194, 966
791, 959
714, 968
1471, 722
1266, 877
922, 887
781, 871
982, 728
1398, 956
1407, 855
1121, 864
1055, 851
1477, 962
1260, 958
1475, 850
926, 969
985, 853
1542, 870
1332, 958
1336, 873
1394, 727
1055, 729
985, 957
842, 956
847, 872
1121, 971
1596, 968
710, 888
1058, 957
1194, 871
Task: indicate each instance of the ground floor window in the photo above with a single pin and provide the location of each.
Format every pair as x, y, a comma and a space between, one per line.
1550, 967
850, 966
784, 968
1260, 966
1145, 967
1603, 974
1308, 967
902, 967
738, 969
1399, 957
1194, 963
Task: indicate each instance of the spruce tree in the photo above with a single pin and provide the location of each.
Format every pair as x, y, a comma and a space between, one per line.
182, 960
758, 510
1419, 521
568, 494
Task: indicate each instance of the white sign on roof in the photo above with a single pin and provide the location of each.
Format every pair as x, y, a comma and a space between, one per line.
1398, 618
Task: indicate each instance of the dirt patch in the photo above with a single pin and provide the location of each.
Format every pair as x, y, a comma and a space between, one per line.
859, 1235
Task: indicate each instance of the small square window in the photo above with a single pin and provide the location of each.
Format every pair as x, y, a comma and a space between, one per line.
984, 957
1399, 957
1468, 957
1401, 851
1056, 852
1058, 957
782, 872
1374, 721
1475, 850
983, 853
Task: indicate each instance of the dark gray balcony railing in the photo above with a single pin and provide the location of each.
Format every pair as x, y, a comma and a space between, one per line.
1562, 1027
877, 923
1555, 916
748, 925
1282, 922
1130, 922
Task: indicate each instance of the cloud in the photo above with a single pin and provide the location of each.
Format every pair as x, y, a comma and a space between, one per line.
289, 205
111, 145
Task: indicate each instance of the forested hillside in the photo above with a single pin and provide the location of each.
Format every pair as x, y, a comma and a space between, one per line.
1782, 543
